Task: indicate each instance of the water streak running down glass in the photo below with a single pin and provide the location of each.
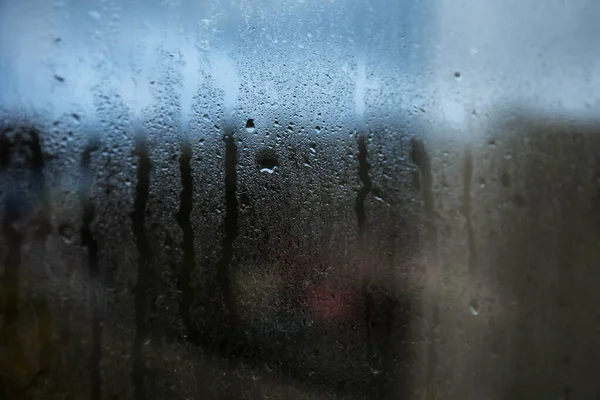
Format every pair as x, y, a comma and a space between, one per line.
306, 199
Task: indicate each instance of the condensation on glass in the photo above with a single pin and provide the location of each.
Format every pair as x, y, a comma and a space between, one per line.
299, 199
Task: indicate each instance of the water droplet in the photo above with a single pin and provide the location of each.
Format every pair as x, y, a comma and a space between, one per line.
94, 15
267, 161
67, 233
474, 307
250, 126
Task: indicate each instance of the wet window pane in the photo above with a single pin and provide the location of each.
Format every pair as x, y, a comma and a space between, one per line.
299, 199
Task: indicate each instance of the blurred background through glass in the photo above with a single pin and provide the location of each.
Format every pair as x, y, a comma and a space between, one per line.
299, 199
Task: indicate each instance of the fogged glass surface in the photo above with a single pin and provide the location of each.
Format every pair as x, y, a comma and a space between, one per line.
299, 199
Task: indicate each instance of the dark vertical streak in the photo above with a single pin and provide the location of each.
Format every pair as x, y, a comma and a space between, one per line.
231, 225
369, 309
25, 137
12, 260
89, 241
4, 150
363, 175
39, 185
43, 229
187, 245
466, 210
423, 162
138, 218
